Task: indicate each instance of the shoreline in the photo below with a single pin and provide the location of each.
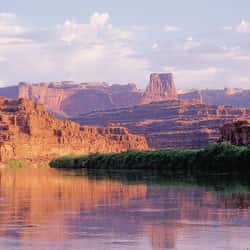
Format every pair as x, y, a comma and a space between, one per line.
215, 159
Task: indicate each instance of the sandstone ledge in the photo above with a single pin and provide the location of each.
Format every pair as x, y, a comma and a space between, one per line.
29, 132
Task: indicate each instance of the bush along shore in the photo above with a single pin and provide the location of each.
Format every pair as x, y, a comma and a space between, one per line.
216, 158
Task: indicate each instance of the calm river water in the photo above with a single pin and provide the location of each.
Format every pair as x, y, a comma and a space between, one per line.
43, 208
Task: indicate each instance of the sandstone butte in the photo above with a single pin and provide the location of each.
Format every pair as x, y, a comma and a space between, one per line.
172, 123
69, 99
237, 132
29, 132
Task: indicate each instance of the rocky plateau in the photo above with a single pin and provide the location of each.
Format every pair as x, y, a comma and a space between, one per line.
172, 123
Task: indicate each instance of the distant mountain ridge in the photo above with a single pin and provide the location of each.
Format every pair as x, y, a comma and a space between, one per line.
70, 99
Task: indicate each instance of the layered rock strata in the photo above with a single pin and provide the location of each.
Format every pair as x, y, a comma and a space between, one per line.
161, 87
237, 133
172, 123
69, 99
29, 132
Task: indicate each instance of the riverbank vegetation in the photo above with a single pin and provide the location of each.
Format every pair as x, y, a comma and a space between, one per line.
17, 163
216, 158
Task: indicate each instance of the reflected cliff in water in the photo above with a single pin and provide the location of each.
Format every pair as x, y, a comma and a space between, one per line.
43, 208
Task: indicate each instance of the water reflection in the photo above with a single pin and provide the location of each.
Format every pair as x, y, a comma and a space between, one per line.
42, 208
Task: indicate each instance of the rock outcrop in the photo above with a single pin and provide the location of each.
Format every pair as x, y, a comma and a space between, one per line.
237, 133
161, 87
29, 132
172, 123
68, 99
227, 96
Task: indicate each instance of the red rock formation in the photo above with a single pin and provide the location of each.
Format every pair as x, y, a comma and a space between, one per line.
27, 131
236, 133
69, 99
161, 87
227, 96
172, 123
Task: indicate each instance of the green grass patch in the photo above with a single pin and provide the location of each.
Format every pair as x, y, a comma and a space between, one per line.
17, 164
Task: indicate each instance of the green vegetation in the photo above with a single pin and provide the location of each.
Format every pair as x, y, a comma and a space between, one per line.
216, 158
17, 163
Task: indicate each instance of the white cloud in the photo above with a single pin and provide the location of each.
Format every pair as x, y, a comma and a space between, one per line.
91, 51
170, 28
97, 50
244, 26
155, 46
99, 20
9, 25
190, 43
198, 78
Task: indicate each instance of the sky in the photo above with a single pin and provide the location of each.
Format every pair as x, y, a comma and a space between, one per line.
205, 44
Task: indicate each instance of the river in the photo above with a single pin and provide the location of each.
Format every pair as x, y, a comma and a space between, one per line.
43, 208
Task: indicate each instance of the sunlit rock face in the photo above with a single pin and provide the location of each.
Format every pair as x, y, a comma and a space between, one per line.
237, 133
172, 123
69, 99
228, 96
27, 131
161, 87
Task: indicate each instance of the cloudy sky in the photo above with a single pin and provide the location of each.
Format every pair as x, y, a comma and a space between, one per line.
206, 44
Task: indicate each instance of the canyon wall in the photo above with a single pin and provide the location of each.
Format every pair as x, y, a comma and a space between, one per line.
172, 123
29, 132
237, 133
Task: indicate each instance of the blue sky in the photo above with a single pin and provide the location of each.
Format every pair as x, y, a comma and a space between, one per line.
206, 44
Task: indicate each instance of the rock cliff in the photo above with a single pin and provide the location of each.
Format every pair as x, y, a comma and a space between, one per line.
161, 87
227, 96
237, 133
29, 132
67, 99
172, 123
70, 99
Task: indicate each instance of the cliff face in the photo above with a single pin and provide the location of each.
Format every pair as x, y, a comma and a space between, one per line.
27, 131
227, 96
237, 133
161, 87
172, 123
69, 99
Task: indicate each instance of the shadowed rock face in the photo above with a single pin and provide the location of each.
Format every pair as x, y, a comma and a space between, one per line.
29, 132
237, 133
161, 87
172, 123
